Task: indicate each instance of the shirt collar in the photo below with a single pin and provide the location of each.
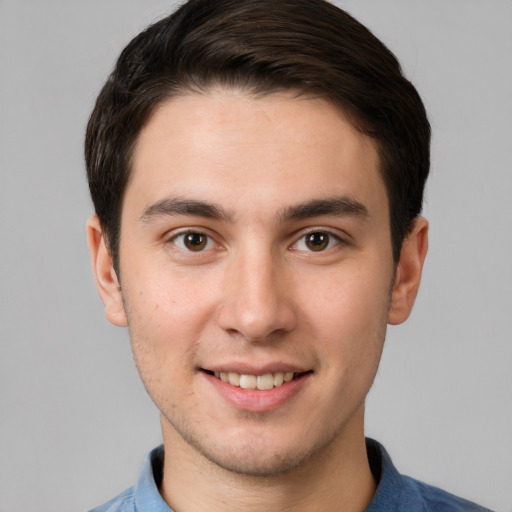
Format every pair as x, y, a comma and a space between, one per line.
390, 483
147, 496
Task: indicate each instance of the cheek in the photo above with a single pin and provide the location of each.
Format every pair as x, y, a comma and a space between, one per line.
349, 300
162, 340
349, 318
168, 312
168, 302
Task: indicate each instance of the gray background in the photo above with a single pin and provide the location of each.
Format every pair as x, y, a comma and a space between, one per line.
75, 423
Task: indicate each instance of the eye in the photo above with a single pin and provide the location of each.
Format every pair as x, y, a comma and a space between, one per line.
193, 241
316, 241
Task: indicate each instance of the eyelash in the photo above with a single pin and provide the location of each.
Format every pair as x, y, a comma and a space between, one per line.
332, 240
210, 242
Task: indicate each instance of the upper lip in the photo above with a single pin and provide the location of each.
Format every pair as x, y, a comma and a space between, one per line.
252, 369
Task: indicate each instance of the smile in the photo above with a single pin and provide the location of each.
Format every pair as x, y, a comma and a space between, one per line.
260, 391
260, 382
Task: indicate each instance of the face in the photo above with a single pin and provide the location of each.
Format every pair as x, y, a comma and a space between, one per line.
256, 272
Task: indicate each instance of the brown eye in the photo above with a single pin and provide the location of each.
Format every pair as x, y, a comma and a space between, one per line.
195, 241
317, 241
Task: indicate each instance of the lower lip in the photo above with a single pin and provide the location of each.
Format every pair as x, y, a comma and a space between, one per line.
253, 400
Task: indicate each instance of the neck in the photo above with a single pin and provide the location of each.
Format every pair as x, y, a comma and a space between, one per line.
338, 478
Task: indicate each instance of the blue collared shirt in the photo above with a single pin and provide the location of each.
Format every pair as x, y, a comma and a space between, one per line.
395, 492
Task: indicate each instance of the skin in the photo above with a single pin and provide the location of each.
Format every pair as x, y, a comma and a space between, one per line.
257, 298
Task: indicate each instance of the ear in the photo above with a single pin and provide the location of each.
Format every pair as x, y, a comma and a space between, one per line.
408, 272
104, 273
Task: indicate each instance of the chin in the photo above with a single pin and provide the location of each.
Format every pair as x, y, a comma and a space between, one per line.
254, 455
252, 461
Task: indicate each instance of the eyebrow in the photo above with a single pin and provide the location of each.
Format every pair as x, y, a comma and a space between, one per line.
342, 206
172, 206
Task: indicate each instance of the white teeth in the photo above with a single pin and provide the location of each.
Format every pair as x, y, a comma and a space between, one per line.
248, 381
234, 378
265, 381
278, 378
260, 382
288, 376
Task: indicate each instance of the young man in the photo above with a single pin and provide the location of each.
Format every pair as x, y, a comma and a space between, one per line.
257, 170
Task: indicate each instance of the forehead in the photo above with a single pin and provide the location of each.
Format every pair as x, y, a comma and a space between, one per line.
249, 153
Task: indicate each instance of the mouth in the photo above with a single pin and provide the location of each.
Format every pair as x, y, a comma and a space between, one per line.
263, 382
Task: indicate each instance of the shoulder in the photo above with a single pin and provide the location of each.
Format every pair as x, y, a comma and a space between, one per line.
399, 493
125, 502
438, 500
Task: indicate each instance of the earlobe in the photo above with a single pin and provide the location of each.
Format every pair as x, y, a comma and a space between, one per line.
104, 273
408, 272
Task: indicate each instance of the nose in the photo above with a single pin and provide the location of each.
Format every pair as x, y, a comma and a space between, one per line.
257, 301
